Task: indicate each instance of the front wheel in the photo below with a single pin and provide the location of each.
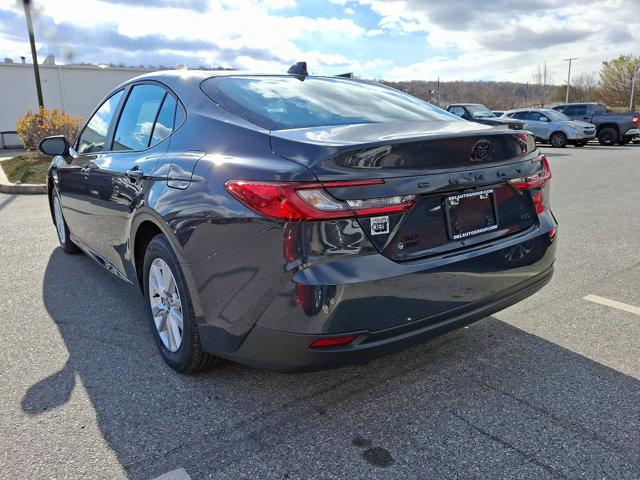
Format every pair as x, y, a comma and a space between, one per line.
61, 226
173, 320
558, 140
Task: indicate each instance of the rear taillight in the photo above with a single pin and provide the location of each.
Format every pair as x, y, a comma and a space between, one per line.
300, 201
535, 182
636, 120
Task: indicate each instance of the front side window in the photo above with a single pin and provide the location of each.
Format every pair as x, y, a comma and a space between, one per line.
94, 134
283, 102
138, 118
535, 116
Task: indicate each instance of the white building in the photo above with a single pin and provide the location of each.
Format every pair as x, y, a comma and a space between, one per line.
76, 89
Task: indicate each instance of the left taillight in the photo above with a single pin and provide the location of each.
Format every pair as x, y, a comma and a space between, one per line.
535, 182
309, 201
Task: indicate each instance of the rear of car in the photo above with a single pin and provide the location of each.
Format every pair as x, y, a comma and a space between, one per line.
394, 221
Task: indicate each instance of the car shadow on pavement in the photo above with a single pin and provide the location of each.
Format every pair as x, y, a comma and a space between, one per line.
485, 401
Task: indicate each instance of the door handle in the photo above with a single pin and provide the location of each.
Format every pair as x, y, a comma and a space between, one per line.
85, 171
135, 173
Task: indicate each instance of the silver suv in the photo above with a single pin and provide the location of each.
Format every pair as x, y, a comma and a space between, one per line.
550, 126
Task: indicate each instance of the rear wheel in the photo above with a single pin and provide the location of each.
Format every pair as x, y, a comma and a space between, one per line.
61, 226
558, 140
608, 136
173, 320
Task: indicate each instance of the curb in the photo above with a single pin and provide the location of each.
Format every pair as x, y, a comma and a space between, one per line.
28, 188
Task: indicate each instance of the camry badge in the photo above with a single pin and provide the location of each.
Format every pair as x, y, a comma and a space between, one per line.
480, 150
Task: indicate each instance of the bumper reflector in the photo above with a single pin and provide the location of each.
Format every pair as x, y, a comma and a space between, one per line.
332, 341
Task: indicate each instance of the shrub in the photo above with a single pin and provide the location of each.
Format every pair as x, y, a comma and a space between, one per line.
33, 127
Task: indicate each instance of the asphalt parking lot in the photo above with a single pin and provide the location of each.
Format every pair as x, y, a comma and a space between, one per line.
548, 388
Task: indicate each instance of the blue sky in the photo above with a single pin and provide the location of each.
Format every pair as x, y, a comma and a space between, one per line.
389, 39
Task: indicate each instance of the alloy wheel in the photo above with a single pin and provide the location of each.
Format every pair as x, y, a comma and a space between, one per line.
57, 213
166, 305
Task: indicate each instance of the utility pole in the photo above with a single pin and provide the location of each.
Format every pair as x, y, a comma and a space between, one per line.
634, 78
566, 99
34, 55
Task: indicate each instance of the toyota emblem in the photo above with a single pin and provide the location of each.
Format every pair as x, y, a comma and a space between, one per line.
480, 150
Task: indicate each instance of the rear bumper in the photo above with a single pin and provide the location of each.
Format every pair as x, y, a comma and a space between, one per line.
388, 305
289, 352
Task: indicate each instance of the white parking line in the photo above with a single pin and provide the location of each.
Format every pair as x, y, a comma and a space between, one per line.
613, 303
177, 474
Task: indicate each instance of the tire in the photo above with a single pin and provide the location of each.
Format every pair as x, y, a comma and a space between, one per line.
608, 136
185, 355
62, 228
558, 140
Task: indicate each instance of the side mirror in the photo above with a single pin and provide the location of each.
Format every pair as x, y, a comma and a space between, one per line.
56, 145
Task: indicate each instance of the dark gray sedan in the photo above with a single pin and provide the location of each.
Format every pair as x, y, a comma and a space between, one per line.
294, 222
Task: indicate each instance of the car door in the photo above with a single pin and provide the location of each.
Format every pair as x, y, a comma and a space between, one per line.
537, 126
73, 175
578, 112
121, 175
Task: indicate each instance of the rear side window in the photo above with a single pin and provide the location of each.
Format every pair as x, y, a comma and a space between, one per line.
94, 134
457, 111
138, 118
599, 109
164, 124
283, 102
575, 110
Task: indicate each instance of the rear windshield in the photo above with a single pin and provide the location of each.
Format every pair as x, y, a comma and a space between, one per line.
283, 102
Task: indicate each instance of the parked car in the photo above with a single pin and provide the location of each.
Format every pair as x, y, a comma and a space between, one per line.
611, 128
296, 222
474, 112
550, 126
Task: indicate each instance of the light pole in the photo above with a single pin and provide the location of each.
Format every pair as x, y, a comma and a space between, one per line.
34, 55
566, 98
634, 78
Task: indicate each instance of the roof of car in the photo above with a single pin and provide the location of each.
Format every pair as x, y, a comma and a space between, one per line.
465, 104
529, 109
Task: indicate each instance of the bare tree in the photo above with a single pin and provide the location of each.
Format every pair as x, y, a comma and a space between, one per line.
543, 87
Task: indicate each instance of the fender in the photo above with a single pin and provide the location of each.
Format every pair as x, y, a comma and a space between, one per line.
146, 214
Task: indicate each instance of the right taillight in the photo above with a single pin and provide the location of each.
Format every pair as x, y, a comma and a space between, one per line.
535, 182
309, 201
636, 120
